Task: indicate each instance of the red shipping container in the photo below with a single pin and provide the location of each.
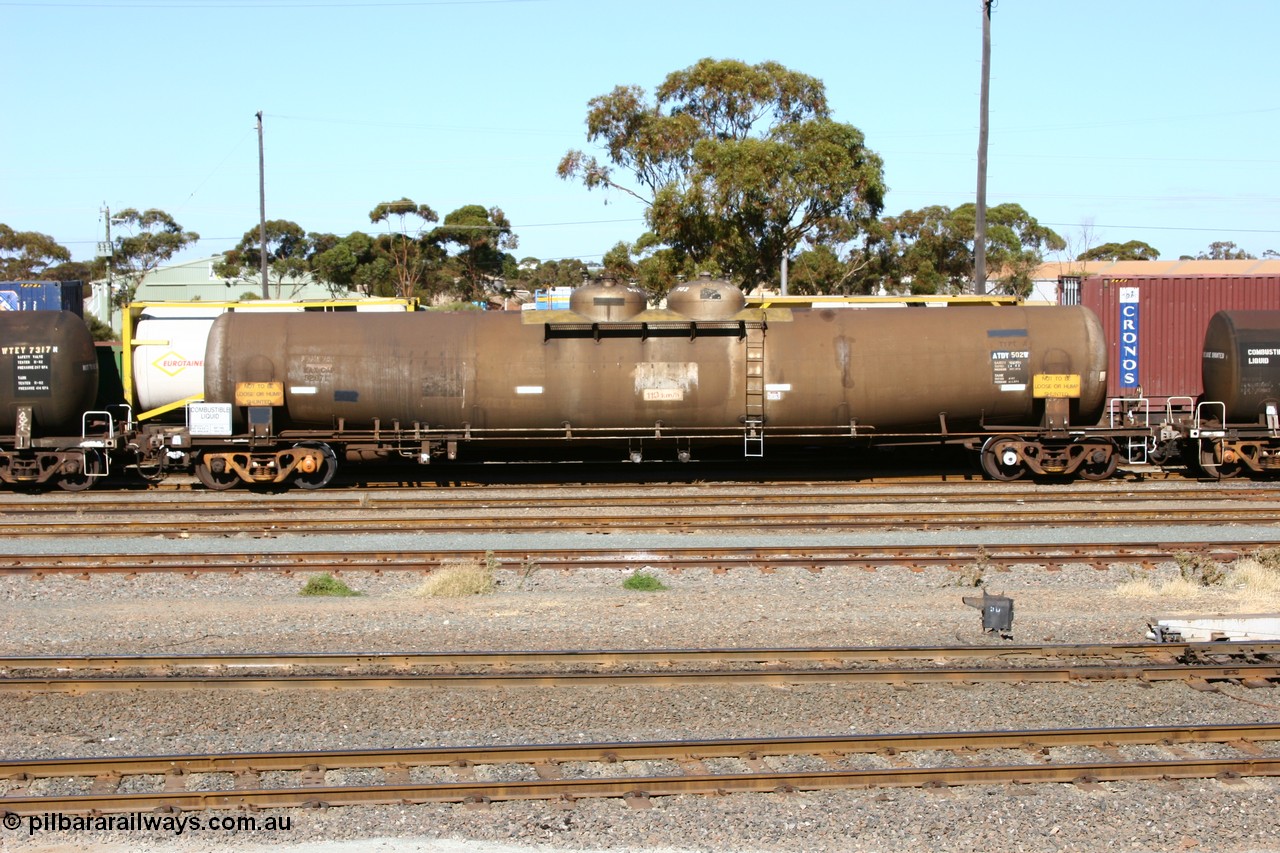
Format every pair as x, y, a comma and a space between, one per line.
1155, 326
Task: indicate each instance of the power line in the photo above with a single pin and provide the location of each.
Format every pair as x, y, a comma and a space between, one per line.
1163, 228
352, 122
309, 4
513, 228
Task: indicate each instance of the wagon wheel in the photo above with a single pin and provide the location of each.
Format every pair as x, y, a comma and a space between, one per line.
151, 473
1001, 460
1212, 466
1100, 470
218, 481
91, 468
320, 478
1226, 471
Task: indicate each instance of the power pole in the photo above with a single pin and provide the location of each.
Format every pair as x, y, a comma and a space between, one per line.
107, 250
262, 210
980, 226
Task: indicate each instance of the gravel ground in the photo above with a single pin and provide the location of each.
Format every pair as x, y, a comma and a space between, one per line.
545, 609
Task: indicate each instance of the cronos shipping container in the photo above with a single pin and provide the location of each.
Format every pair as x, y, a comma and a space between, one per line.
1155, 326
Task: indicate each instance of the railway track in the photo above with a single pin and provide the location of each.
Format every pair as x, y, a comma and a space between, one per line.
655, 509
611, 660
633, 496
1255, 664
637, 771
1100, 556
826, 521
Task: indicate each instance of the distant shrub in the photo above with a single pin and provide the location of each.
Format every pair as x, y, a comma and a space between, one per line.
327, 584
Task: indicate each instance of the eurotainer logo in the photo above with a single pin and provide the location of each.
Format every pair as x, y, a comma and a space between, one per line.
1130, 337
174, 363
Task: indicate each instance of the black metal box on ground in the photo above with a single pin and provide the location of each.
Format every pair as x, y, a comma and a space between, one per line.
997, 612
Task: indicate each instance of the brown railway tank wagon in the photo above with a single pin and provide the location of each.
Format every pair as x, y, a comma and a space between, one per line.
288, 395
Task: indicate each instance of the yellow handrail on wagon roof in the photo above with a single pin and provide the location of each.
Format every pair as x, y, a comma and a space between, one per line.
856, 301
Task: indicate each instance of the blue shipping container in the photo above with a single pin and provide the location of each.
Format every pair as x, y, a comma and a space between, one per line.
42, 296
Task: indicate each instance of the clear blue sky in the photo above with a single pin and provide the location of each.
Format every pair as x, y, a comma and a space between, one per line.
1156, 120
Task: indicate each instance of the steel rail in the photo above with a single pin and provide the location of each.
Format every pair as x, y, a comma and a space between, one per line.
1191, 652
642, 788
915, 518
813, 558
665, 496
549, 760
1030, 740
1249, 674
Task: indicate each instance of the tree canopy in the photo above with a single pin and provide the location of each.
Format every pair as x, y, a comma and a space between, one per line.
288, 252
152, 238
1134, 250
1221, 250
737, 165
353, 263
407, 261
481, 237
28, 254
404, 245
931, 250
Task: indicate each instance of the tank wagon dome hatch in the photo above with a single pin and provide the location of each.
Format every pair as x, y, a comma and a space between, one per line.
606, 301
706, 299
607, 309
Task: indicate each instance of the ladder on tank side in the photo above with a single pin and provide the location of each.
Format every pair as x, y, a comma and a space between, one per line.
753, 422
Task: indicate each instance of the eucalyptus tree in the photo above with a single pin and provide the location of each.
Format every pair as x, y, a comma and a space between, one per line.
151, 237
288, 251
481, 238
736, 164
353, 263
931, 250
1134, 250
28, 254
1221, 250
407, 244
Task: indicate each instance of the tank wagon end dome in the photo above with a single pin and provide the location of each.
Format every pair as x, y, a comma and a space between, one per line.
49, 363
1240, 363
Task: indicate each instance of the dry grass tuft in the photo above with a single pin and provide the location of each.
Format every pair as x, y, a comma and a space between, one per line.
458, 580
1250, 584
1257, 584
1178, 589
